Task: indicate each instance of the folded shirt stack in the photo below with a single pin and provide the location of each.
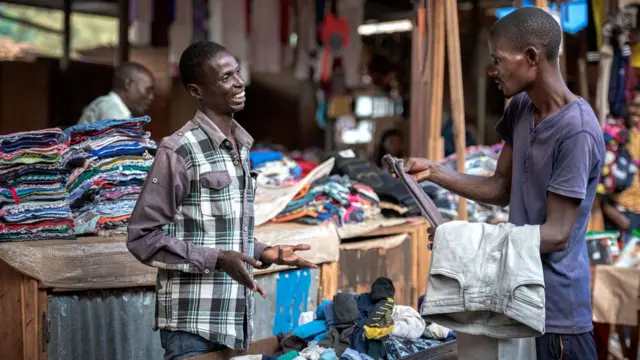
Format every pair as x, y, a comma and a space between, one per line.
109, 162
33, 194
335, 198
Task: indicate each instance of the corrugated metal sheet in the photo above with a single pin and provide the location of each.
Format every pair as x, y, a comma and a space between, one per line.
103, 325
117, 324
290, 293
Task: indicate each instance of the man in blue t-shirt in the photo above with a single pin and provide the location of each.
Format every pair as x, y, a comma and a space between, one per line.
547, 172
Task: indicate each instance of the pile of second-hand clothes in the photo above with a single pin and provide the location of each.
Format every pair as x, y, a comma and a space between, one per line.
334, 198
360, 327
33, 195
480, 161
110, 161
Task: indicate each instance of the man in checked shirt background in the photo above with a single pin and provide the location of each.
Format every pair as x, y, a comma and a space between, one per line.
194, 219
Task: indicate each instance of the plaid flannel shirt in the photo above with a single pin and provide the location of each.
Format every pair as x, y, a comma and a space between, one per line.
196, 201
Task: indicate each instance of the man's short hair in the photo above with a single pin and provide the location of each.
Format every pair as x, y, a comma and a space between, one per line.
194, 58
530, 26
126, 71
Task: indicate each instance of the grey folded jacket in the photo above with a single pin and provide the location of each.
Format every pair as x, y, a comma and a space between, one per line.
427, 207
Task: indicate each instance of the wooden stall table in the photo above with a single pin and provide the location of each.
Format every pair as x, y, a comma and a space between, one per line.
393, 248
57, 294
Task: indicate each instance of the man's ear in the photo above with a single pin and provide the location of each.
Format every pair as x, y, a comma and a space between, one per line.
195, 91
533, 55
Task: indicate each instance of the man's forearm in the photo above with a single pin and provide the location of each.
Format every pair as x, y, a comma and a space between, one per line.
487, 190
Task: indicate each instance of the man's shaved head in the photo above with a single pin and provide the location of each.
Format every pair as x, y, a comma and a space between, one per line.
530, 26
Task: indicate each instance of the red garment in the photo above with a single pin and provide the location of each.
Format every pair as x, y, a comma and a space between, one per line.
306, 166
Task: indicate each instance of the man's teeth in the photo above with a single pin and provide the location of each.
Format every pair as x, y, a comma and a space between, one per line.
239, 96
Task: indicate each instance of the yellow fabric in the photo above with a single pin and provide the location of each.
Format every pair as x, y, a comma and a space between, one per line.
381, 323
630, 198
635, 55
598, 12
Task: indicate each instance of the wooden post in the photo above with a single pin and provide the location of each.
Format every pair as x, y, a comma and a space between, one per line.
456, 93
417, 132
66, 36
437, 83
123, 32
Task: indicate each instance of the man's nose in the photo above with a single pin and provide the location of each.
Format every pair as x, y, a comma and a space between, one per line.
493, 72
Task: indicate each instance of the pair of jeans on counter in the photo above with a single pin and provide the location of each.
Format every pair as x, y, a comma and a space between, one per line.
180, 345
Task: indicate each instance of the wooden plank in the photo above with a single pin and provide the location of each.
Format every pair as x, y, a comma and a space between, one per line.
30, 319
43, 323
437, 81
457, 94
424, 259
328, 281
11, 339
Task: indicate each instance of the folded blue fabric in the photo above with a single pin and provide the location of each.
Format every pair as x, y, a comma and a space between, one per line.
310, 330
320, 310
260, 157
103, 124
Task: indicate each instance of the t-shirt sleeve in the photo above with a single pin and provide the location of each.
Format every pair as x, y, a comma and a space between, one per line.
504, 127
572, 166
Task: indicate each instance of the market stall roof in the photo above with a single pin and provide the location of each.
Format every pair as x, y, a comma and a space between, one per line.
96, 7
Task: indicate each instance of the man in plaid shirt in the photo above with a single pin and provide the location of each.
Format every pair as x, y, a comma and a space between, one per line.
194, 219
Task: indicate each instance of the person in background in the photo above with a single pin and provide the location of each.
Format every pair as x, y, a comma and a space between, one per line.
547, 172
194, 219
391, 142
131, 94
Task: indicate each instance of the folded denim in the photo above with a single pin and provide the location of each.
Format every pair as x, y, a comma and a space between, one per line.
486, 280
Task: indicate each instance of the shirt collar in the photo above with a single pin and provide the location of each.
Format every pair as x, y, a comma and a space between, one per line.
217, 137
118, 101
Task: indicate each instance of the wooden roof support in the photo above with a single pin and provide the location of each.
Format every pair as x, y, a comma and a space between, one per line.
456, 92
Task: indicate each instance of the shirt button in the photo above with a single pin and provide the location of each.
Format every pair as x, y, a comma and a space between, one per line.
154, 180
227, 143
179, 133
235, 162
206, 271
487, 304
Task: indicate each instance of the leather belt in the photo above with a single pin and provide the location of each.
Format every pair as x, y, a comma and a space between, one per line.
426, 205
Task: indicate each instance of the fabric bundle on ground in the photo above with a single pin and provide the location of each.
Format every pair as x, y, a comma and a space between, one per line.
33, 196
109, 162
336, 198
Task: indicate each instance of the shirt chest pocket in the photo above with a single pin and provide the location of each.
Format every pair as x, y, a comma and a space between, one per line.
216, 194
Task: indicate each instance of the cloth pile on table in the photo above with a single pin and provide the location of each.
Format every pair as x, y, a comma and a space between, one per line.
109, 162
480, 161
360, 327
276, 169
33, 195
336, 198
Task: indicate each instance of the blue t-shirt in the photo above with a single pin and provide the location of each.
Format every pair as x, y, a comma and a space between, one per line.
562, 155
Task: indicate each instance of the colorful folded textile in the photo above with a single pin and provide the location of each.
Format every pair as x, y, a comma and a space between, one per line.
335, 198
109, 162
33, 194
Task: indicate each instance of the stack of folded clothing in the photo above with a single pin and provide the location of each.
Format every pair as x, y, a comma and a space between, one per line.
275, 168
109, 161
336, 198
33, 195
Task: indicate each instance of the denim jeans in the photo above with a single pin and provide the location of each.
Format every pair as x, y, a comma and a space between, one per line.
179, 345
566, 347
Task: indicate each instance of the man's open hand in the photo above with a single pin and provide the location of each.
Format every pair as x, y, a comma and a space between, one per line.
286, 255
234, 264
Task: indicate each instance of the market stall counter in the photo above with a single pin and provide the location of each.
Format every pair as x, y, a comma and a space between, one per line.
56, 294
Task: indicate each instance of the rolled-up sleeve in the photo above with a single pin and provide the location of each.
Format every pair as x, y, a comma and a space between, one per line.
166, 187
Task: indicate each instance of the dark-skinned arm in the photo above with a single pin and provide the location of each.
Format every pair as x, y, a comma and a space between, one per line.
555, 233
573, 167
610, 211
494, 190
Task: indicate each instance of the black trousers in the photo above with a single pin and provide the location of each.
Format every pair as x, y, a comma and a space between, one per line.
566, 347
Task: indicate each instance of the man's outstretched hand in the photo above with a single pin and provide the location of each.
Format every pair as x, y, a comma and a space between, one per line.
286, 255
234, 264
